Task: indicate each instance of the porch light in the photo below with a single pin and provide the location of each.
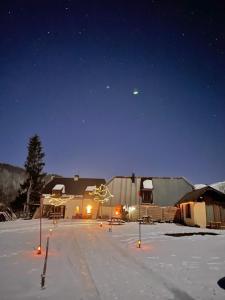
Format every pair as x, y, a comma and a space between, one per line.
88, 208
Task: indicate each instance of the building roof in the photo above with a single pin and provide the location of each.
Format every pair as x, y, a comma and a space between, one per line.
154, 177
196, 194
219, 186
59, 187
166, 191
72, 187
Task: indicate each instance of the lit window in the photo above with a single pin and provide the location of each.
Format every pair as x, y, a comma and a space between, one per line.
88, 209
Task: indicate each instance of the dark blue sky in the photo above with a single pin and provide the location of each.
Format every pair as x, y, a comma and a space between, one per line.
68, 70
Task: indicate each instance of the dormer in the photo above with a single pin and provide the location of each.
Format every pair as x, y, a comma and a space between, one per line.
58, 190
76, 177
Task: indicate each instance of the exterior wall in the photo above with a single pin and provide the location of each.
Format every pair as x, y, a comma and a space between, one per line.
198, 214
168, 191
125, 192
215, 212
70, 207
78, 206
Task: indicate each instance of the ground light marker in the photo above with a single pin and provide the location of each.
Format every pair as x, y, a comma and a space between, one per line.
40, 229
139, 243
39, 250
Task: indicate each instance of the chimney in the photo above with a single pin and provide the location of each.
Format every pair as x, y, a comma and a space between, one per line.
76, 177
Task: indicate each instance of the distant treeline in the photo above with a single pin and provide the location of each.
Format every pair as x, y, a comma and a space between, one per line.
10, 179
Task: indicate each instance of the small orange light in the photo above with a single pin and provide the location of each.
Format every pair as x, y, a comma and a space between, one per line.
139, 243
39, 250
100, 224
117, 213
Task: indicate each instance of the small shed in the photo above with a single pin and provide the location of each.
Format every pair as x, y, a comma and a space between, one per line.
204, 207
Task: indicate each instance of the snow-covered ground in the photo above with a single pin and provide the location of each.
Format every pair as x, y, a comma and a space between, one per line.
88, 262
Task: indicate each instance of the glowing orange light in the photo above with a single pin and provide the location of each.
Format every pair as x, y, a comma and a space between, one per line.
39, 250
139, 244
117, 213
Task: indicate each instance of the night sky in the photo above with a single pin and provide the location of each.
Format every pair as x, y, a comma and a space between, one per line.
115, 87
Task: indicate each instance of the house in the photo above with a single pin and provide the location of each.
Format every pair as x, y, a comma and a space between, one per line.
157, 196
70, 197
204, 207
162, 191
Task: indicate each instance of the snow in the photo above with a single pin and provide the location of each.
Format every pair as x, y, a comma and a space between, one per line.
90, 188
59, 187
220, 186
147, 184
199, 186
87, 261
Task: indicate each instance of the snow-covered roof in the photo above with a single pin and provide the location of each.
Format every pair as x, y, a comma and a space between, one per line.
147, 184
59, 187
220, 186
72, 187
90, 188
199, 186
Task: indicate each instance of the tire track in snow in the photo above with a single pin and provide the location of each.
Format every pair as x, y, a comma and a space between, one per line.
78, 260
178, 294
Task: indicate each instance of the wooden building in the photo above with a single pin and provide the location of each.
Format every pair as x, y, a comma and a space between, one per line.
204, 207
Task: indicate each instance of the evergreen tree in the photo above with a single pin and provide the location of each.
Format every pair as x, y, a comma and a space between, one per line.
31, 189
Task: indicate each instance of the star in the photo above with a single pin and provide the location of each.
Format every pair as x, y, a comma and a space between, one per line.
83, 121
108, 87
135, 92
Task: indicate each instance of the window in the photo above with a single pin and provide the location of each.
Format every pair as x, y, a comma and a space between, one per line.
188, 210
147, 196
146, 188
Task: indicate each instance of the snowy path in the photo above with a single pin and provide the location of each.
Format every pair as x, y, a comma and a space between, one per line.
87, 262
